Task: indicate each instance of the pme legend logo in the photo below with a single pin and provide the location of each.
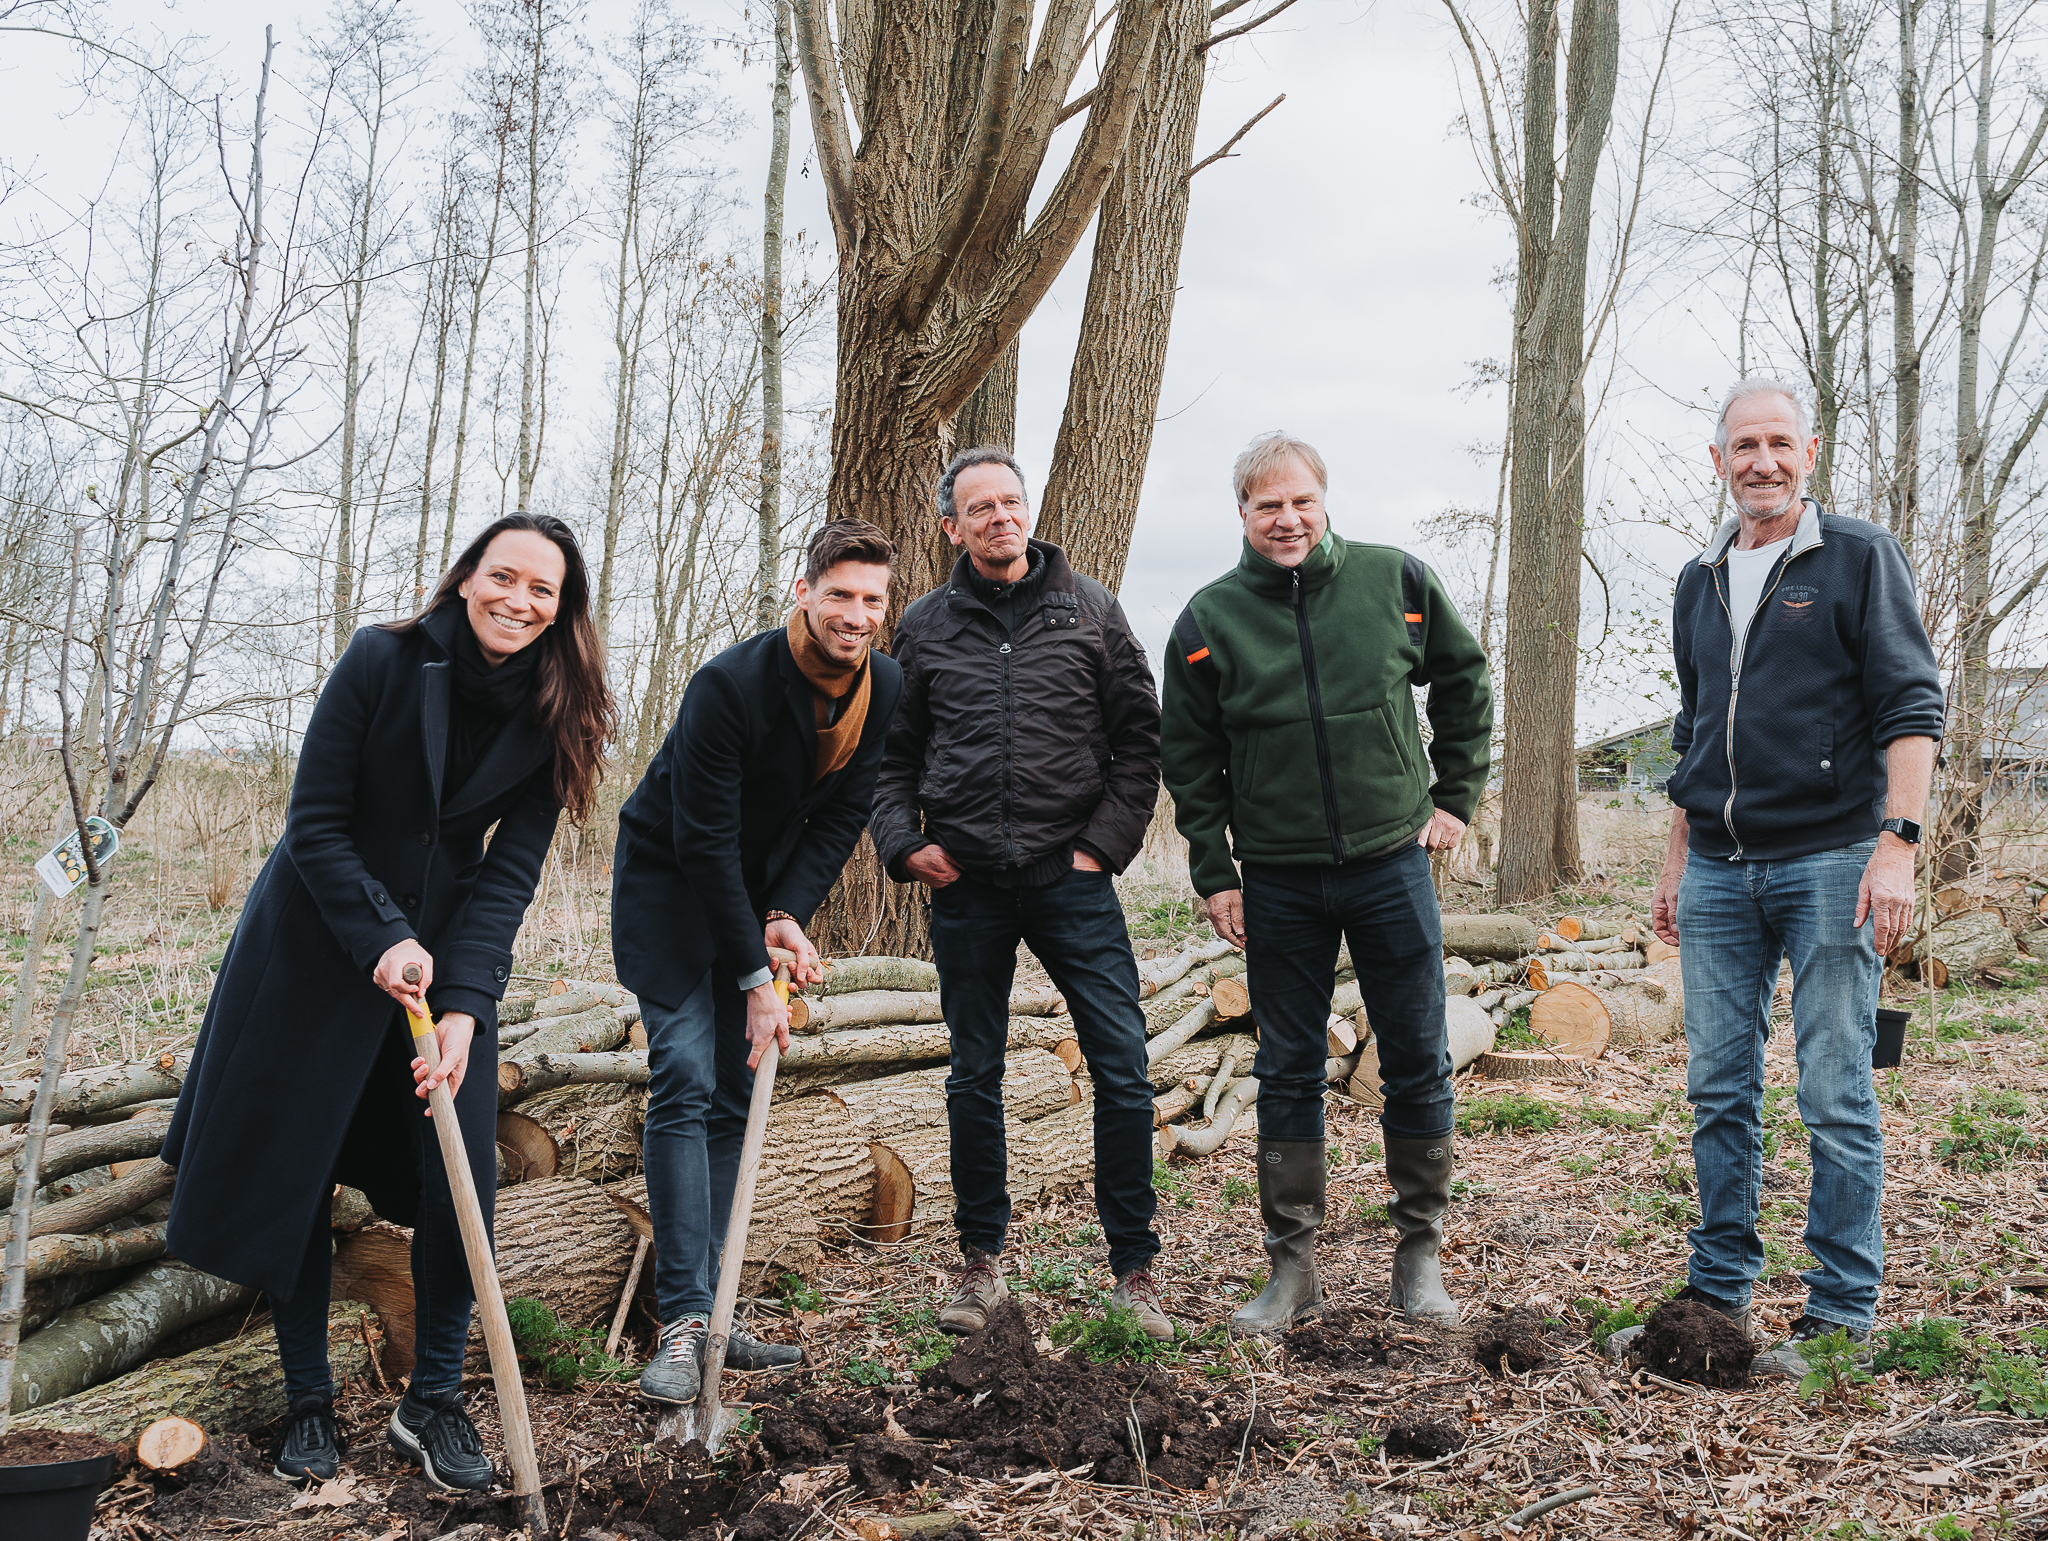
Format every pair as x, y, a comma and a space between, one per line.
1799, 602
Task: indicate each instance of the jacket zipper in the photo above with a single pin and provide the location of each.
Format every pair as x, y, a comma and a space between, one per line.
1315, 715
1738, 651
1009, 754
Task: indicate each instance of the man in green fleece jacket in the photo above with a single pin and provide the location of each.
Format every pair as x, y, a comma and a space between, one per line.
1289, 721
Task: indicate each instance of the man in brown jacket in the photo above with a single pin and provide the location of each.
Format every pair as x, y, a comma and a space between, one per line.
1021, 773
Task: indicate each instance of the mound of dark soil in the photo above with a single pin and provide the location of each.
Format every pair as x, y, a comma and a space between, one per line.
1340, 1339
1684, 1340
804, 1428
1425, 1439
1511, 1344
37, 1447
1000, 1408
883, 1465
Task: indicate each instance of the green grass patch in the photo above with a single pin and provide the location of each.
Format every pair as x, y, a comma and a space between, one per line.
1610, 1118
1504, 1112
1984, 1133
1112, 1338
799, 1296
1236, 1190
1168, 919
1169, 1184
1515, 1033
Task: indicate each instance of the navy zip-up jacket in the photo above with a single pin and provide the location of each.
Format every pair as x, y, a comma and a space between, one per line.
1781, 751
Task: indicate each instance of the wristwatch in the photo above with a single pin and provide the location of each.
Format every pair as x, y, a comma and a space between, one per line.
1905, 829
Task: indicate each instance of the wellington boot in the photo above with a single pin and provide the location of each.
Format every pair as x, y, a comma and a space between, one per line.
1291, 1203
1420, 1171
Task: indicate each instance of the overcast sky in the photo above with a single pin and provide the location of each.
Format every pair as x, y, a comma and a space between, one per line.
1338, 280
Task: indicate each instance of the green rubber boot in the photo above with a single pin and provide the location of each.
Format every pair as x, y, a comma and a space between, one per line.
1291, 1203
1420, 1171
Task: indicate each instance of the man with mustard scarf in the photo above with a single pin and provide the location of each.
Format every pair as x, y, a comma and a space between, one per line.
732, 840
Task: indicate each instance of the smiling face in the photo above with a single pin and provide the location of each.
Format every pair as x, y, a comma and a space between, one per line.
1767, 457
845, 607
1283, 517
992, 521
512, 596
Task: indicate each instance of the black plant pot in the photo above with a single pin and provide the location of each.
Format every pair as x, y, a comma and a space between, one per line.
1890, 1047
52, 1500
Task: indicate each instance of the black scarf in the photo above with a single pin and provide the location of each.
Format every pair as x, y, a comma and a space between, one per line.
483, 701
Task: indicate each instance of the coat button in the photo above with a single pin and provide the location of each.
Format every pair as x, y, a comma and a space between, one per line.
1827, 764
379, 898
412, 901
499, 973
425, 838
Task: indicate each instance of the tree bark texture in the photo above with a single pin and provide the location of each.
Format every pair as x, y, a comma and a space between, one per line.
101, 1089
82, 1149
1090, 505
96, 1341
1539, 844
236, 1387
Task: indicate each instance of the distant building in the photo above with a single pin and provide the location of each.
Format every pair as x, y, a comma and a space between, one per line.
1638, 759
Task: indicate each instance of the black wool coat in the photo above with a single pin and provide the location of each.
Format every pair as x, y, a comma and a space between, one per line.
299, 1078
728, 824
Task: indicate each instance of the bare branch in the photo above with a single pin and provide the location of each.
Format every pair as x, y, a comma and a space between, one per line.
1230, 143
1075, 108
1255, 23
828, 118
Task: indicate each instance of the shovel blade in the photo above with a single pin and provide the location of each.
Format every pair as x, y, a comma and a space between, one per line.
709, 1427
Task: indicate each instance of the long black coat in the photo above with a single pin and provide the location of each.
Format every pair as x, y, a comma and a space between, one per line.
728, 823
299, 1078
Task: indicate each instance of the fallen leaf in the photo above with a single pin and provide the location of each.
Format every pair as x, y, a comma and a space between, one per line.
336, 1494
1940, 1476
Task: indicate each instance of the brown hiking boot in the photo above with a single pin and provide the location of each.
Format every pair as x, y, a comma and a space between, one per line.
979, 1292
1138, 1294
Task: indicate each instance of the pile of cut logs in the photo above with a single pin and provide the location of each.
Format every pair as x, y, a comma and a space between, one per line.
118, 1333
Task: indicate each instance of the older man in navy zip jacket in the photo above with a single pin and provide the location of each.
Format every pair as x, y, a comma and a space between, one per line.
1810, 705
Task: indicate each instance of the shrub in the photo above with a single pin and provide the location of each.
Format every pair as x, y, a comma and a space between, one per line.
1111, 1338
562, 1357
1929, 1348
2011, 1383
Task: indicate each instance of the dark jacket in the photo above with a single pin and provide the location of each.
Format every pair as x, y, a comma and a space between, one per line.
1835, 666
728, 825
296, 1038
1012, 749
1290, 718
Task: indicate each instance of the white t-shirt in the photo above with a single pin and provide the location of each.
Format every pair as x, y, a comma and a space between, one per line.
1747, 571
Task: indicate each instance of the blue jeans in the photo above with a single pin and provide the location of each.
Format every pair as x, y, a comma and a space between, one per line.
1387, 910
698, 1090
1075, 927
1736, 920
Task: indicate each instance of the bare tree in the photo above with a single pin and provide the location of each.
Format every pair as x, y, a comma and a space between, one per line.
768, 534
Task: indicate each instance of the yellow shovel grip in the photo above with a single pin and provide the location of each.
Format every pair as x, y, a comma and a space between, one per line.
421, 1023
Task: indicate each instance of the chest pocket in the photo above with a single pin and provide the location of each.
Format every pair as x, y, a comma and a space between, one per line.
1061, 611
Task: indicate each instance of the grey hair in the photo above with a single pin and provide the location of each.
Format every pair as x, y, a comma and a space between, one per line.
1762, 385
1266, 454
980, 455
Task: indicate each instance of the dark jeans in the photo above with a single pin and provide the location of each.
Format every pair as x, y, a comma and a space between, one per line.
1075, 927
698, 1090
1386, 909
442, 1292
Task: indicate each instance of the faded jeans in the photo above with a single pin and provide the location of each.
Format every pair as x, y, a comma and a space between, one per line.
1736, 920
698, 1090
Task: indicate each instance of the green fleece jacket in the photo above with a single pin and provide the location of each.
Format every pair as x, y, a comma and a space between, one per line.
1288, 715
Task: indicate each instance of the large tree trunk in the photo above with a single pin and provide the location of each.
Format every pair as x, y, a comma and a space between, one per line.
236, 1387
1098, 461
1539, 800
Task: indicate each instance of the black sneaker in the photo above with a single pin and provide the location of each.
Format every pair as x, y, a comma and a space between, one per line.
438, 1437
744, 1351
312, 1448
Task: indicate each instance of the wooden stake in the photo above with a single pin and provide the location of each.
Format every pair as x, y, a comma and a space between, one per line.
611, 1342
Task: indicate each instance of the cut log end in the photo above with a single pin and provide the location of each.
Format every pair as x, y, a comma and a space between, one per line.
169, 1443
1531, 1065
529, 1151
1231, 997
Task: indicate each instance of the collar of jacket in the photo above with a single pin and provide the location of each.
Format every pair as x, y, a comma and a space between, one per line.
439, 628
1263, 575
1804, 537
1058, 579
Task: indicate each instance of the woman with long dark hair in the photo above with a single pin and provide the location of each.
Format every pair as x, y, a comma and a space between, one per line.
487, 708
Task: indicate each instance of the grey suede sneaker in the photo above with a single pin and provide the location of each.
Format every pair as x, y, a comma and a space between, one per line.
744, 1351
1788, 1360
676, 1372
1138, 1294
980, 1291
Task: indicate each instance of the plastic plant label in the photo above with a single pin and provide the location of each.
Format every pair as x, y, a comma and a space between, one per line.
63, 869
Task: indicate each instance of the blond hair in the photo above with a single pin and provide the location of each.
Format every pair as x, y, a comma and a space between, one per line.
1267, 454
